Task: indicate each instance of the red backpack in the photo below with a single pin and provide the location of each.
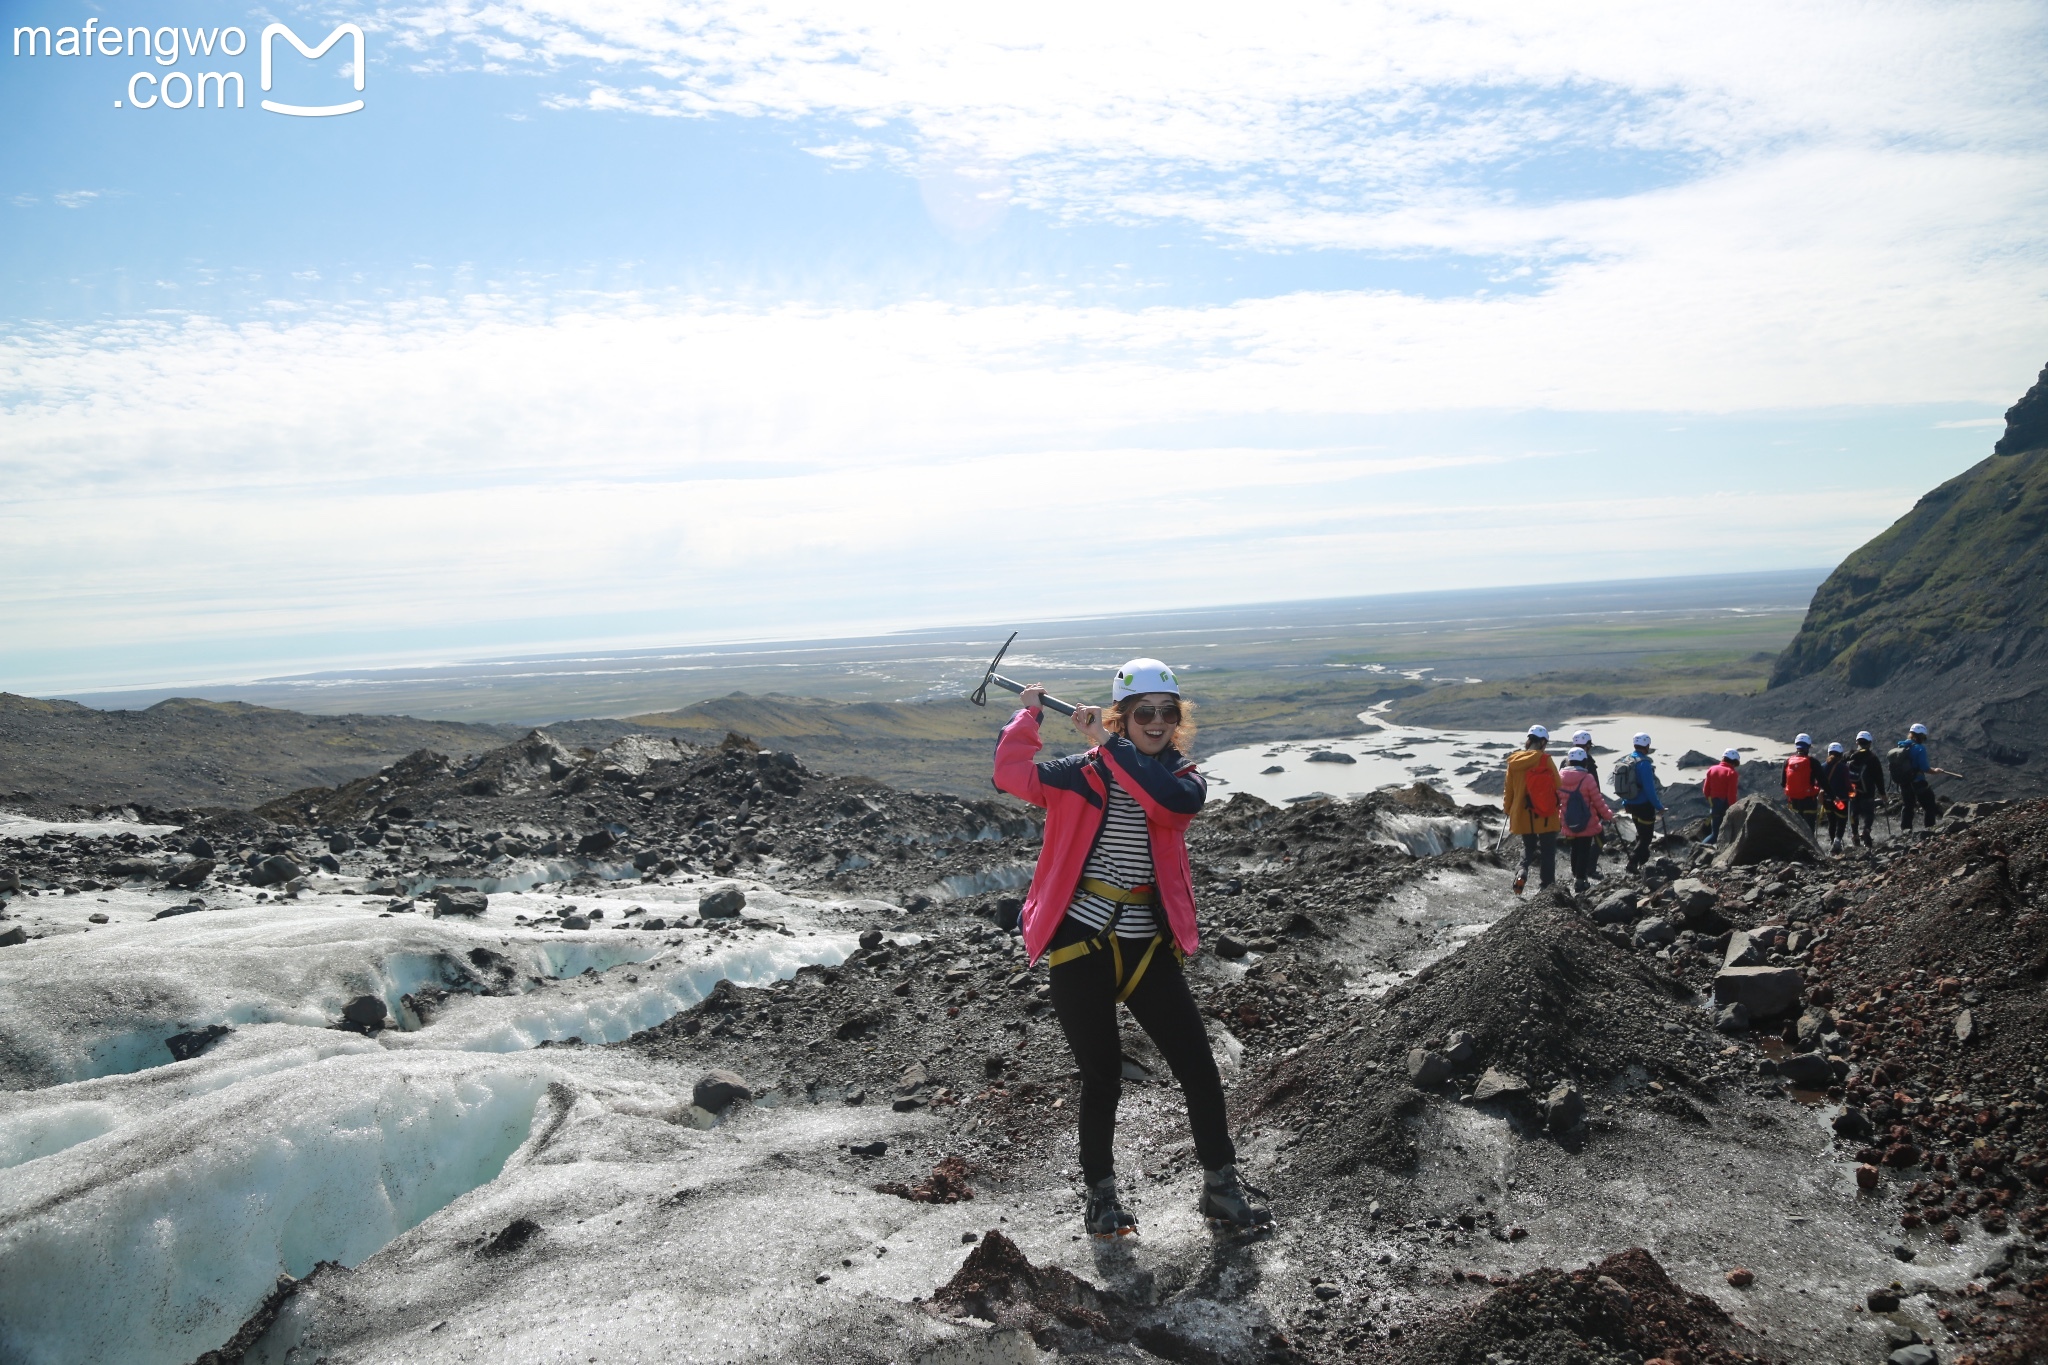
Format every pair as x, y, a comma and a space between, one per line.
1799, 783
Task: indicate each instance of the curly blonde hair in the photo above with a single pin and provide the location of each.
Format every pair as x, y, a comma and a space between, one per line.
1183, 740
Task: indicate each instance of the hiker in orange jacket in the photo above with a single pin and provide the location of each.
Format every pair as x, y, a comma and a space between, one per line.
1530, 801
1722, 787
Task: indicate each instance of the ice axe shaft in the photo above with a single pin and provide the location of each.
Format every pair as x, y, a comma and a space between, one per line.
980, 694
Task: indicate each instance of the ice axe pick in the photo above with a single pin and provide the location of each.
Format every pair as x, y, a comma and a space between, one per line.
980, 694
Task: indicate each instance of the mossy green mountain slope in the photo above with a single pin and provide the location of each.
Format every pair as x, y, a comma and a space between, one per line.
1970, 559
1942, 619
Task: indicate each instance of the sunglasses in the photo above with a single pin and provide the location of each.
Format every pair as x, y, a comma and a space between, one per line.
1145, 715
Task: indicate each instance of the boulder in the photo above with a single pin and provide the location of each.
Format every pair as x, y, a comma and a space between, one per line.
1758, 831
1654, 932
1807, 1070
646, 860
596, 842
10, 880
1913, 1355
339, 843
1766, 992
1564, 1108
1747, 948
724, 903
13, 935
718, 1088
200, 848
1462, 1048
1330, 756
1617, 908
191, 874
458, 900
1853, 1125
366, 1012
1693, 758
1691, 898
1229, 945
278, 867
1496, 1084
132, 867
1428, 1069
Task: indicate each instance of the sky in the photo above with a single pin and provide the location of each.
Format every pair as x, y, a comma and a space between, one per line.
633, 321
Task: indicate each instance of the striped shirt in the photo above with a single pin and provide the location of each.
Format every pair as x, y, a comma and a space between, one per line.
1122, 857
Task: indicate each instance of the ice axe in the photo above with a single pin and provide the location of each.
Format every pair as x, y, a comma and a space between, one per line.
979, 696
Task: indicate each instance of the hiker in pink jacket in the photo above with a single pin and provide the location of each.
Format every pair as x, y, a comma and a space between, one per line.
1112, 910
1585, 814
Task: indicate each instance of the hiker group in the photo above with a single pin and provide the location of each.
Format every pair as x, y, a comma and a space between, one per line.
1545, 803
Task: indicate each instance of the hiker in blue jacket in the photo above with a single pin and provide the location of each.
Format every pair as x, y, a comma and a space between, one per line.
1635, 782
1912, 762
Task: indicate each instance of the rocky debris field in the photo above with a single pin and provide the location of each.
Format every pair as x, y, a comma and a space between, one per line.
1754, 1103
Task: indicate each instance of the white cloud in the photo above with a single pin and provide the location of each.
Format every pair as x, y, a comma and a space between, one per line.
713, 469
1400, 125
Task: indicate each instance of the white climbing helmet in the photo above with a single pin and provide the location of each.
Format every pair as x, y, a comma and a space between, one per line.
1918, 729
1538, 732
1732, 755
1576, 756
1836, 747
1583, 738
1803, 742
1140, 676
1641, 741
1865, 737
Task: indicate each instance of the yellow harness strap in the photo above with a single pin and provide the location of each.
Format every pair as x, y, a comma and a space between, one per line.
1136, 895
1108, 938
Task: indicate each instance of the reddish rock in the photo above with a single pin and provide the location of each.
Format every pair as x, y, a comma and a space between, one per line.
1742, 1277
1901, 1154
1866, 1176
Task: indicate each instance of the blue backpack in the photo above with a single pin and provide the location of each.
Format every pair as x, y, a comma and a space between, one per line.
1577, 814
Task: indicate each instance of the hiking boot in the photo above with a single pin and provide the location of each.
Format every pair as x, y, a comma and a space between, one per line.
1521, 880
1224, 1200
1579, 887
1104, 1215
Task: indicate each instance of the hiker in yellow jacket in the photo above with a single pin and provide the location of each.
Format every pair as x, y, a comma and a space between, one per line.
1531, 805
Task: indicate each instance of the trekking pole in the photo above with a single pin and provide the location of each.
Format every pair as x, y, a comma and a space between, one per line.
979, 696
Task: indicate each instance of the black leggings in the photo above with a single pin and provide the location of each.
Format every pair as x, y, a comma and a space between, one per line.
1645, 817
1585, 856
1084, 998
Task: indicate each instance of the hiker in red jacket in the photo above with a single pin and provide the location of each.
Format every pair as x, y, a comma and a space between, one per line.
1112, 908
1802, 785
1722, 787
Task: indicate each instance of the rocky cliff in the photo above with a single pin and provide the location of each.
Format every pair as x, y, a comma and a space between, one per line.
1943, 619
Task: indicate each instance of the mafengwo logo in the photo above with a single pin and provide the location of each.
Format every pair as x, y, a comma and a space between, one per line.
181, 47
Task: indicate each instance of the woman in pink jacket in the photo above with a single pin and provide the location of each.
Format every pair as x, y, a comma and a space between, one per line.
1112, 908
1584, 818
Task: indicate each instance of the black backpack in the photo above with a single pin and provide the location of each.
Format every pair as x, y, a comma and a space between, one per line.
1900, 764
